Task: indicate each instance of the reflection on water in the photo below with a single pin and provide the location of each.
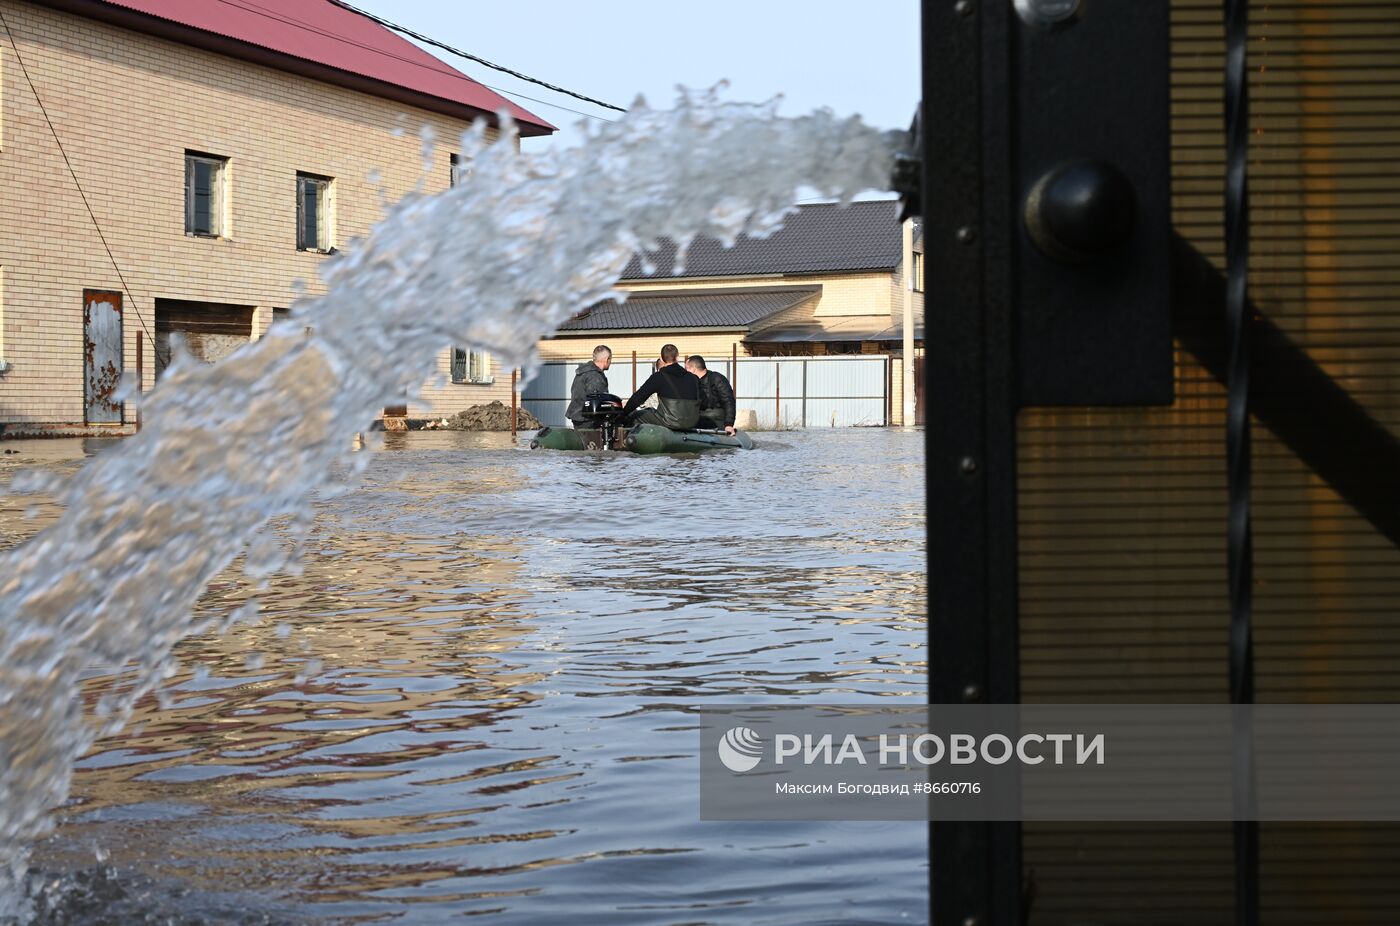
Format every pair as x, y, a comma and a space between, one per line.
476, 698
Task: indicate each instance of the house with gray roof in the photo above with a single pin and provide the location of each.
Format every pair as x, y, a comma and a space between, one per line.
831, 281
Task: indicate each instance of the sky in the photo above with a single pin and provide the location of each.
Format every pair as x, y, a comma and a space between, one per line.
852, 57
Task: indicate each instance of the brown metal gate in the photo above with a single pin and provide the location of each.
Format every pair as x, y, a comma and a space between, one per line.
1091, 566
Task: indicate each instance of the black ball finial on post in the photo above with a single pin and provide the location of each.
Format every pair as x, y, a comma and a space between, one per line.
1081, 211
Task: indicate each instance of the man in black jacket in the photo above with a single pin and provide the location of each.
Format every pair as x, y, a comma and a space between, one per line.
716, 396
589, 378
677, 395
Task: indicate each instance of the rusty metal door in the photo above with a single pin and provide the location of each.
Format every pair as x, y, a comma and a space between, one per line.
102, 356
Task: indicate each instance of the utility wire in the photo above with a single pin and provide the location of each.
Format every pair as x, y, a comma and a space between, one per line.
535, 99
445, 70
72, 173
479, 60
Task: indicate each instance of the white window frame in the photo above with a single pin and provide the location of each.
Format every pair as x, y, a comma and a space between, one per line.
471, 367
325, 212
217, 195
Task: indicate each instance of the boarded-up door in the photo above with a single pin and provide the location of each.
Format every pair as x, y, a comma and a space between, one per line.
102, 356
211, 330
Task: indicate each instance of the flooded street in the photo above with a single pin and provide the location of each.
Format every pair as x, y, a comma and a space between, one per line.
478, 696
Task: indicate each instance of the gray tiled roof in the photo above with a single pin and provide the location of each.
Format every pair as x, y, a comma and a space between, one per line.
820, 238
714, 308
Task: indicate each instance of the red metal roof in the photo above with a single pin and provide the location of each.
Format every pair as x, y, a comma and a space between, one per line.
322, 33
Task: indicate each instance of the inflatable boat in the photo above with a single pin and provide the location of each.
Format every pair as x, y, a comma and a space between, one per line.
644, 438
605, 411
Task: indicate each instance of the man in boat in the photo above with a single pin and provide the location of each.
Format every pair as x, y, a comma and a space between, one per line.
590, 378
716, 396
677, 393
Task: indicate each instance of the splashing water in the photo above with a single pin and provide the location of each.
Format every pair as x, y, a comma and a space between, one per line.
495, 263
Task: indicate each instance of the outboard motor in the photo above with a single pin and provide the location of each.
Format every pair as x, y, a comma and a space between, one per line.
604, 410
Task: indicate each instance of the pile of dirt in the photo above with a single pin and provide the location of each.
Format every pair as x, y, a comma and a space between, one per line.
494, 416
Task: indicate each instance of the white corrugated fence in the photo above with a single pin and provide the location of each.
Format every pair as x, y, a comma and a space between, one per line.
783, 392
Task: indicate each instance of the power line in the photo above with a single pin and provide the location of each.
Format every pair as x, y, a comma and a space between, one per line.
535, 99
72, 173
479, 60
445, 70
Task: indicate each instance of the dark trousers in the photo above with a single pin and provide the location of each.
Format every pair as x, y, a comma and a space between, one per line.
654, 416
647, 416
709, 421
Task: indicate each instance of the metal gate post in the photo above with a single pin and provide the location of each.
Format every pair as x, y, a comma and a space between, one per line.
975, 868
804, 392
777, 395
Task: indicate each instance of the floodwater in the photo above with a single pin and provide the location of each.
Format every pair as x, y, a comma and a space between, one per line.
477, 699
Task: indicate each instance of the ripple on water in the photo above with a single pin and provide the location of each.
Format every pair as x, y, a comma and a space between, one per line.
479, 697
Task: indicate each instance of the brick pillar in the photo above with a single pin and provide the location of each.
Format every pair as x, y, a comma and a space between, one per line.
262, 320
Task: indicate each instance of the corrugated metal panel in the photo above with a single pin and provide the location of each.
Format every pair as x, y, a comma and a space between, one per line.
546, 396
1122, 536
621, 376
814, 392
848, 394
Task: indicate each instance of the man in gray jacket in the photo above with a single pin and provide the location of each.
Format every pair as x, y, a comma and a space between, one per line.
589, 378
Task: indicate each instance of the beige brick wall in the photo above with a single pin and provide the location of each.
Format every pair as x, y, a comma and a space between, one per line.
127, 106
897, 354
897, 299
446, 397
648, 346
842, 293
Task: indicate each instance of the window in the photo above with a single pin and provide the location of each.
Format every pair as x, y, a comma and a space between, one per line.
471, 366
314, 214
204, 194
461, 170
918, 282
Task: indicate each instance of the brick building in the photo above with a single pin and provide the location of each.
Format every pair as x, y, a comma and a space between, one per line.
177, 165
